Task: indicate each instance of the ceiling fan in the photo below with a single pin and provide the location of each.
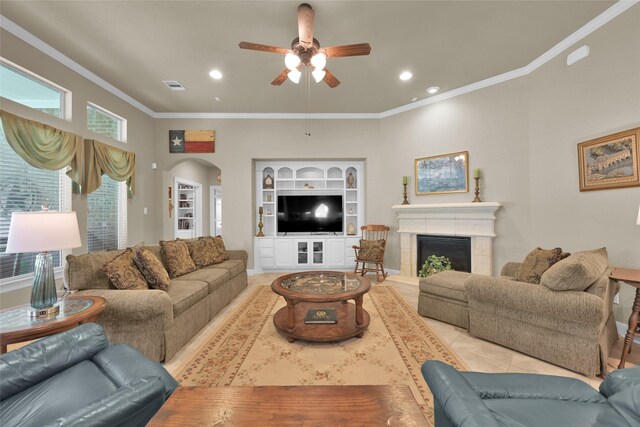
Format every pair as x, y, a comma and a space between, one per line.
306, 52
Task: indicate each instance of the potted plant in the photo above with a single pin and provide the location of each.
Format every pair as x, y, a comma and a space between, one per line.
434, 264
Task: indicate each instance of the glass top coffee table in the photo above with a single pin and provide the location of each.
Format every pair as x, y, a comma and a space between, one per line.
321, 291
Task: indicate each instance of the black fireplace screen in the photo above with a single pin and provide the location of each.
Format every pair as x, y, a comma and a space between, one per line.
457, 249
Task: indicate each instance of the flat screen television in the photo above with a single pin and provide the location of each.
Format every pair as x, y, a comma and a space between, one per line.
310, 214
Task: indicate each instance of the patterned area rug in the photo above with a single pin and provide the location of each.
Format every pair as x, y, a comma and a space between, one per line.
248, 351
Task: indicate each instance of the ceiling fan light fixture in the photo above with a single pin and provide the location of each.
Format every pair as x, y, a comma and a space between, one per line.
294, 76
319, 61
291, 61
318, 74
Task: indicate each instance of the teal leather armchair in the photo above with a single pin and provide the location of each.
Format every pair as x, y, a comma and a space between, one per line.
76, 378
473, 399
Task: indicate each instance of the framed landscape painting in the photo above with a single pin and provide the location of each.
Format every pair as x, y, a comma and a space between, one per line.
610, 162
446, 173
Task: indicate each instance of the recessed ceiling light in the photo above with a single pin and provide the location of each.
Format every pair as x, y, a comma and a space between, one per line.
215, 74
414, 99
405, 75
217, 98
432, 90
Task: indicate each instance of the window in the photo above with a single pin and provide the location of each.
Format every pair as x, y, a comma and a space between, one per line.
106, 123
25, 88
107, 216
25, 188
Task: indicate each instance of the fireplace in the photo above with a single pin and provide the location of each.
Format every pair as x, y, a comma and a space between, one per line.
457, 249
474, 221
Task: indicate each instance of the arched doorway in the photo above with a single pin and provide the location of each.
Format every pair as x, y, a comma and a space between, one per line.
194, 199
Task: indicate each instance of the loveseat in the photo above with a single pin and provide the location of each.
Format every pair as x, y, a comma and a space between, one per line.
474, 399
156, 322
566, 319
76, 378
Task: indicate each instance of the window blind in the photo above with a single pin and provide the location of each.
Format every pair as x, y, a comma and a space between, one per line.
24, 188
107, 216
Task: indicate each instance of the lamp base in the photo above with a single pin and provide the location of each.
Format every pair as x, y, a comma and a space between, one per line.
43, 312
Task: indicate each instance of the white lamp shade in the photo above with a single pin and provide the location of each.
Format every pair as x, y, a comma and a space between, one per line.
291, 61
318, 74
319, 61
43, 232
294, 76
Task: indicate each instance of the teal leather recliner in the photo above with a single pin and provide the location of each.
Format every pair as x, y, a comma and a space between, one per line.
76, 378
473, 399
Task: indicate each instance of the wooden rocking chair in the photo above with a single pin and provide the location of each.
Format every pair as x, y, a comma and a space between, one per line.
370, 253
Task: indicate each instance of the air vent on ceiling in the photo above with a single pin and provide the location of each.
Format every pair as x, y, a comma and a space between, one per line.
173, 84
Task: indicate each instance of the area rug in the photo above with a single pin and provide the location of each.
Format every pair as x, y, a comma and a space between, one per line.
247, 350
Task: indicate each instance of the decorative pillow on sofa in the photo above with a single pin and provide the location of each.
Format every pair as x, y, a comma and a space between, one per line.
152, 269
204, 251
175, 255
537, 262
371, 250
577, 272
123, 273
219, 244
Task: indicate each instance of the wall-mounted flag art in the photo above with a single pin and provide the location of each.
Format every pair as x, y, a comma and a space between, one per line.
192, 141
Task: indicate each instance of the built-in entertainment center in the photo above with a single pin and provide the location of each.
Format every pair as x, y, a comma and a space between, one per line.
312, 213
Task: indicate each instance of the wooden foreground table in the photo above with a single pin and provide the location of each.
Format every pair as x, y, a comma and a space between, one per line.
356, 405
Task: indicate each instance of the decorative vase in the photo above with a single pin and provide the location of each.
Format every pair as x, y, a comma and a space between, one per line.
351, 229
350, 180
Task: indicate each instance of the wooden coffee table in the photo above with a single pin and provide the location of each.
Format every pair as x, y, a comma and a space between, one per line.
357, 405
322, 290
17, 326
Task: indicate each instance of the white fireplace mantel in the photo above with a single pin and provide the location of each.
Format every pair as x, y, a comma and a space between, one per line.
475, 220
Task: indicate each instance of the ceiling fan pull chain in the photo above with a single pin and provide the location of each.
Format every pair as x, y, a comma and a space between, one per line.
308, 83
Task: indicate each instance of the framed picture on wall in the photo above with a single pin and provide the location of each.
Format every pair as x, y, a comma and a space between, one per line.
610, 161
446, 173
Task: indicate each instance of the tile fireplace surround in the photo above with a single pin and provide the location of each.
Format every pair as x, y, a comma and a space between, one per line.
475, 220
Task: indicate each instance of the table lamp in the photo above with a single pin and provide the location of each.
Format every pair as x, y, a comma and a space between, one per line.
43, 232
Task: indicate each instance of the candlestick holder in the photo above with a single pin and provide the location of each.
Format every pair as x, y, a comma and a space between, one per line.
404, 193
260, 225
477, 199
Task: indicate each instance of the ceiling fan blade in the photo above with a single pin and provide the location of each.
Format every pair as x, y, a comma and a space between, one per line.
347, 50
263, 47
305, 25
281, 77
330, 79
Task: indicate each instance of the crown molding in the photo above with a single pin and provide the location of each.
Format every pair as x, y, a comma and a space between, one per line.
47, 49
597, 22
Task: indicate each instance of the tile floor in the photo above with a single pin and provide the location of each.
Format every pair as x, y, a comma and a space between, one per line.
477, 354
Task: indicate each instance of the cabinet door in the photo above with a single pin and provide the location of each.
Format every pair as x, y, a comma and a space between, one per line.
284, 255
303, 249
335, 253
318, 252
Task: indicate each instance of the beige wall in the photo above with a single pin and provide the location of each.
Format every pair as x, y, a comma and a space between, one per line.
595, 97
522, 134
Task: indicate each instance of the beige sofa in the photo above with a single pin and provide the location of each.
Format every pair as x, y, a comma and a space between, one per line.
574, 329
156, 322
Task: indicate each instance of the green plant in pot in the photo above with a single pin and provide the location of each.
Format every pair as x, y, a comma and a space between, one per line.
434, 264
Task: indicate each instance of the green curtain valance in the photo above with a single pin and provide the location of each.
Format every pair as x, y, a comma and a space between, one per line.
101, 159
44, 146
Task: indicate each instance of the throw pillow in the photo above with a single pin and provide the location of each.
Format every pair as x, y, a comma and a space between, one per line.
537, 262
204, 252
175, 255
123, 273
152, 269
371, 250
219, 244
577, 272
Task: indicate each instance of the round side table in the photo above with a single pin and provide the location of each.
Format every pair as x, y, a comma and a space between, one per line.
630, 277
17, 326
